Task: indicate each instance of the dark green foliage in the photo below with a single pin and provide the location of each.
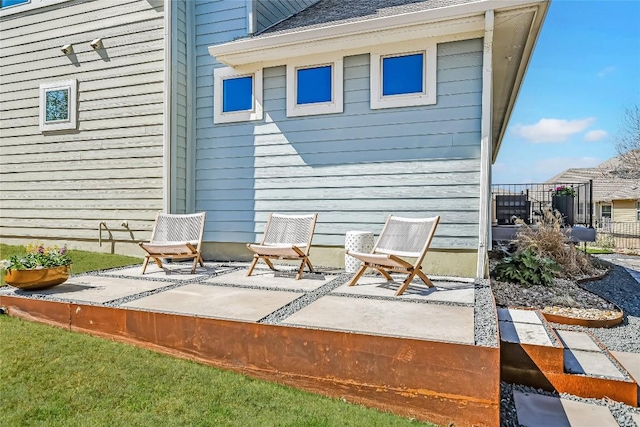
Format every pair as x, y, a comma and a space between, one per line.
527, 268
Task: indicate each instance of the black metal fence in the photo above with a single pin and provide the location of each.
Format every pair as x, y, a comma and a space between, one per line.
528, 202
618, 235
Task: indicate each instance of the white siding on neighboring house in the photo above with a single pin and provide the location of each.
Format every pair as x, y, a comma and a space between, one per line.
59, 186
353, 168
270, 12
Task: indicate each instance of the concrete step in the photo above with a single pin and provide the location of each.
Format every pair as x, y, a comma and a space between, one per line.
535, 354
538, 410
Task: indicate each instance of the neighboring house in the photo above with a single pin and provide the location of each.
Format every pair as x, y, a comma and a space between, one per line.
616, 203
81, 127
615, 199
354, 110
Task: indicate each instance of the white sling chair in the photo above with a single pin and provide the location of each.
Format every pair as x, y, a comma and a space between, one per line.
175, 237
285, 237
400, 238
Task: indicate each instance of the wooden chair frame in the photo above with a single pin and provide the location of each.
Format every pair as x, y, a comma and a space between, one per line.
285, 250
392, 261
187, 246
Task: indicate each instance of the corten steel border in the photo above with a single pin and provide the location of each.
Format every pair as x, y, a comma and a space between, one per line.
431, 381
589, 323
536, 366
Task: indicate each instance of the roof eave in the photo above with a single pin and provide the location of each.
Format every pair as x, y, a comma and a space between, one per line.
534, 34
277, 48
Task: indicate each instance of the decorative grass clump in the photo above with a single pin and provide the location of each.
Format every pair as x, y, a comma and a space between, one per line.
548, 240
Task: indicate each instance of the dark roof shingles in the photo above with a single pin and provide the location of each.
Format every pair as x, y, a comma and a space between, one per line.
331, 12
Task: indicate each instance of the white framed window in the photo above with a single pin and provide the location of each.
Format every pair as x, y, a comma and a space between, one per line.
10, 7
237, 95
10, 3
315, 88
605, 212
402, 77
59, 106
638, 210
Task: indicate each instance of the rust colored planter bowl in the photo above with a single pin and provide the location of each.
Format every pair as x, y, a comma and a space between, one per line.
40, 278
589, 323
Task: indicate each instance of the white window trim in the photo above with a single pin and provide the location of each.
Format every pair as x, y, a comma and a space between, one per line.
256, 112
427, 97
72, 123
611, 210
337, 90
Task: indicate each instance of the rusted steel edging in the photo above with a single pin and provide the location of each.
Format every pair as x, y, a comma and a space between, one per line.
432, 381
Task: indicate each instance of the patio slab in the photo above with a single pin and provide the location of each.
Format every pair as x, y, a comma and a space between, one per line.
267, 278
216, 301
519, 316
97, 289
443, 291
394, 318
524, 333
630, 362
590, 363
578, 340
537, 410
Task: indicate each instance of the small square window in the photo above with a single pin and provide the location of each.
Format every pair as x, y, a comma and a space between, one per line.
403, 79
237, 96
58, 106
403, 74
314, 88
314, 85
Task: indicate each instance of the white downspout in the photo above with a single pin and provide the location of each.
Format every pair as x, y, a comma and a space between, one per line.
484, 241
167, 109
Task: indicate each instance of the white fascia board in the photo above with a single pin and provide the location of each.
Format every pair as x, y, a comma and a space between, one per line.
427, 23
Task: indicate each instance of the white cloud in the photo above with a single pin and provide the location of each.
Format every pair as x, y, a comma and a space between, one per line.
552, 130
606, 71
595, 135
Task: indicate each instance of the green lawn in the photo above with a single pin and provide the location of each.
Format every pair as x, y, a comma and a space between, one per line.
53, 377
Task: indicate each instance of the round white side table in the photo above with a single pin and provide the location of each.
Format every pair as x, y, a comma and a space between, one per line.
357, 241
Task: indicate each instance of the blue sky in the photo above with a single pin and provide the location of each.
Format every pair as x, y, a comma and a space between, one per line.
585, 70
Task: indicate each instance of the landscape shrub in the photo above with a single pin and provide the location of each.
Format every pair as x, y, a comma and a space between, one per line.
527, 268
548, 240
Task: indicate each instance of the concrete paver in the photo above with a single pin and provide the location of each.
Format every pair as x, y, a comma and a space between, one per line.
578, 340
267, 278
590, 363
525, 333
99, 289
536, 410
216, 301
395, 318
519, 316
630, 362
443, 291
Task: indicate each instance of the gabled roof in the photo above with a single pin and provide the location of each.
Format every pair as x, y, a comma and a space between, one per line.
606, 185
